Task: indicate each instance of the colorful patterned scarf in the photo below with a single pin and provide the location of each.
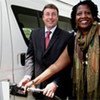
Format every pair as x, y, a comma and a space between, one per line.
86, 72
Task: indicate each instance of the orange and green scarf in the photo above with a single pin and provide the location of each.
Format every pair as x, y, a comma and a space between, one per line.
87, 77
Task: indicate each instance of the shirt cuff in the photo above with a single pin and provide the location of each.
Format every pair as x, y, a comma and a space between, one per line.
27, 77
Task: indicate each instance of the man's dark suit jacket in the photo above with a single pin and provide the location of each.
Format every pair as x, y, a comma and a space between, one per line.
38, 58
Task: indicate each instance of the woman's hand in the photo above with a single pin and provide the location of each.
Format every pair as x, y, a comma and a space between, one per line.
28, 85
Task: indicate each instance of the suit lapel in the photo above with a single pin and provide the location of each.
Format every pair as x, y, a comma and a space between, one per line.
42, 39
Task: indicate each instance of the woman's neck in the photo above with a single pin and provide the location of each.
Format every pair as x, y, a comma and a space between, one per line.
84, 31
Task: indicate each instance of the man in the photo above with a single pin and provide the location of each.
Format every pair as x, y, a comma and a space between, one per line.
40, 56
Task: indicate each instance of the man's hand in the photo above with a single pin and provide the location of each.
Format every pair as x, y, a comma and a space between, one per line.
23, 82
50, 89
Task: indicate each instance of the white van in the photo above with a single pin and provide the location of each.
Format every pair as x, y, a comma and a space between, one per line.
17, 19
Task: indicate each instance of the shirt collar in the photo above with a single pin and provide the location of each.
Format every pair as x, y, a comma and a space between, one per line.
52, 30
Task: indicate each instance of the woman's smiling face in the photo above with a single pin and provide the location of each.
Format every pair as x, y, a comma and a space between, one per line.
84, 18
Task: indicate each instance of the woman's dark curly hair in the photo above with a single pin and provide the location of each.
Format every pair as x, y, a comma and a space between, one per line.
93, 8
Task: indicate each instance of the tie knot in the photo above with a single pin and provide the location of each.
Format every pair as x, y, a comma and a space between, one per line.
48, 34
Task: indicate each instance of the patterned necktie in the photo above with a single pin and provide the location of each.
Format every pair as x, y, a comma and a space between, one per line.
47, 38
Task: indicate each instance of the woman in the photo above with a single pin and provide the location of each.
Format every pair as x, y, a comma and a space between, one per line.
86, 78
86, 51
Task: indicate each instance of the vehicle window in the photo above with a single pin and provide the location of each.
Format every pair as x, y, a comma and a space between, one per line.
27, 20
64, 23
